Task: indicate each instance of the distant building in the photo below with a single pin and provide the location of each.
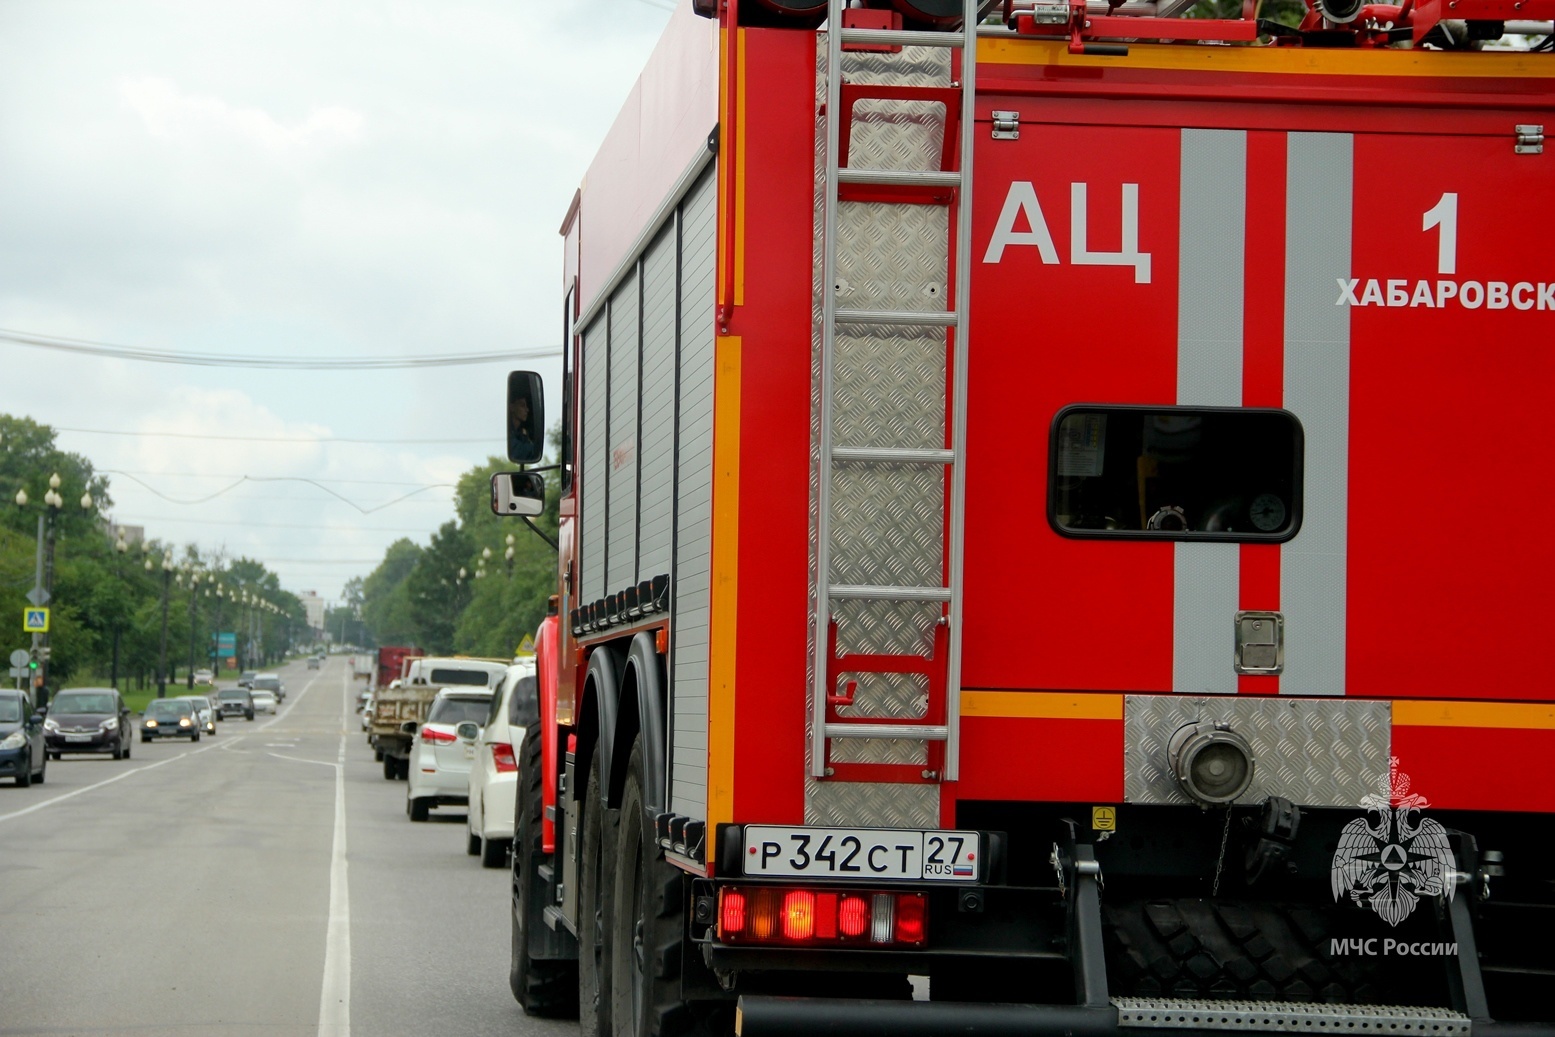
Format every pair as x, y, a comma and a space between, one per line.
313, 606
133, 536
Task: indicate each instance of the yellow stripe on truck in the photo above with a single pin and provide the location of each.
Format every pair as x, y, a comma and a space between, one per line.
1048, 705
725, 576
1435, 713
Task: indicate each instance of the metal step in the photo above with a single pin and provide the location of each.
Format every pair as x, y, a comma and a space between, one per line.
1289, 1017
861, 592
899, 178
907, 732
892, 455
902, 38
898, 318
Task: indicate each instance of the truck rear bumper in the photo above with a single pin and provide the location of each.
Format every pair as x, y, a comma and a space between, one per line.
811, 1016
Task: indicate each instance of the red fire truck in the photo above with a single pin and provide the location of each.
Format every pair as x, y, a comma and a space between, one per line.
1016, 561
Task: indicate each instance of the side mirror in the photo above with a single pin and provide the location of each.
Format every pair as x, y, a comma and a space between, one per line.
526, 417
468, 730
36, 720
517, 493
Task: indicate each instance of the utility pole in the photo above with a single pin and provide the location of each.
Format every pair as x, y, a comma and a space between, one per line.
167, 575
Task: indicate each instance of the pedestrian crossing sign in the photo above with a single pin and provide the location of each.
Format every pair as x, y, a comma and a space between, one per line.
35, 620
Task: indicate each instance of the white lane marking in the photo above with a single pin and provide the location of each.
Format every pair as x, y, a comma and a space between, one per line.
299, 759
335, 995
280, 715
109, 781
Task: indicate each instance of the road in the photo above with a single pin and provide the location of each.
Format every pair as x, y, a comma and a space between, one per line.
263, 881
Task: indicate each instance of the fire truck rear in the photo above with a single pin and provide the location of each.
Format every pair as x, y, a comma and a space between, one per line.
1051, 529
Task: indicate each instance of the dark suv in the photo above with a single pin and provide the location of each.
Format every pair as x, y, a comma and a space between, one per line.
87, 720
235, 702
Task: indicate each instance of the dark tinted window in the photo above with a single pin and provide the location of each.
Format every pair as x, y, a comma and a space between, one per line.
1176, 473
267, 683
232, 696
478, 678
457, 711
10, 709
84, 702
524, 705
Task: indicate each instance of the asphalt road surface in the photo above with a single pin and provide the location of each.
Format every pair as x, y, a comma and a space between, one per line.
263, 881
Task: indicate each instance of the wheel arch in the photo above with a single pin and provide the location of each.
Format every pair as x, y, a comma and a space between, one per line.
641, 712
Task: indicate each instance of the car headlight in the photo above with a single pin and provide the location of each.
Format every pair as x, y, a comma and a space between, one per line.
111, 724
50, 724
15, 740
183, 721
150, 722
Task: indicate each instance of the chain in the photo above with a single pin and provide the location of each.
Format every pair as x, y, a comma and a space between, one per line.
1220, 862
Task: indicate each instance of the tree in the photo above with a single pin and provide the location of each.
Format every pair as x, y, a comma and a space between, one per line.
438, 590
386, 608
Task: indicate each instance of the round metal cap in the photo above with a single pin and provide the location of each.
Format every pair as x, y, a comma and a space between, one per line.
1212, 763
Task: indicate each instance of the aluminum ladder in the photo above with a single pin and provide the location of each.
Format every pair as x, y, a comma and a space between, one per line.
935, 725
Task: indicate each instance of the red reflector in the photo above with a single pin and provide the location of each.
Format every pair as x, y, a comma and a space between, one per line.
909, 918
853, 915
502, 756
799, 915
429, 734
731, 915
826, 916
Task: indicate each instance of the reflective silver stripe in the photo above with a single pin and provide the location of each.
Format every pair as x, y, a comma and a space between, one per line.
1212, 227
1319, 212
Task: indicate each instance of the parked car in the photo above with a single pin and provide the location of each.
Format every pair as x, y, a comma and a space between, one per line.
204, 677
87, 720
22, 755
170, 718
443, 750
246, 678
205, 712
264, 701
270, 682
365, 707
494, 774
235, 702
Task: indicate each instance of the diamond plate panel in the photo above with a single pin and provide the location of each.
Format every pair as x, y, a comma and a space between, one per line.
896, 134
883, 379
1156, 1013
887, 525
892, 257
900, 696
1317, 753
890, 390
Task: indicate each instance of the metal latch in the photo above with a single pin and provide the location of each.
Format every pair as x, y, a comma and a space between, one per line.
1260, 642
1530, 139
1006, 125
1049, 13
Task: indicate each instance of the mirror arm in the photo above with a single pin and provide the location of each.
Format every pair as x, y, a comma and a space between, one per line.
540, 468
541, 533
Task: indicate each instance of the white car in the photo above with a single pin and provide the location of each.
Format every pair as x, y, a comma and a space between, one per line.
205, 710
367, 710
494, 774
264, 701
444, 748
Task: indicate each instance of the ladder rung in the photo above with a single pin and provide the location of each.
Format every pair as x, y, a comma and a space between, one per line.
861, 592
892, 455
903, 38
899, 177
913, 732
898, 318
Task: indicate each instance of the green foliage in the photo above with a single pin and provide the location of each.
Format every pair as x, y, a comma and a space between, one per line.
437, 589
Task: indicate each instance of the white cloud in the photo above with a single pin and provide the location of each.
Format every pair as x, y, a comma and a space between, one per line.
208, 121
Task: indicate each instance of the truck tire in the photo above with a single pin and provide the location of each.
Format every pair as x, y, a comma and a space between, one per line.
544, 988
1193, 948
391, 769
596, 867
648, 926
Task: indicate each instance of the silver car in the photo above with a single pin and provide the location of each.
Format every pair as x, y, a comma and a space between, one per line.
204, 709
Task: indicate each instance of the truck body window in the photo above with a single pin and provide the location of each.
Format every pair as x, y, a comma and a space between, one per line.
1175, 473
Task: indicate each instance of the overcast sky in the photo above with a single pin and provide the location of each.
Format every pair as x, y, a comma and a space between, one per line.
328, 177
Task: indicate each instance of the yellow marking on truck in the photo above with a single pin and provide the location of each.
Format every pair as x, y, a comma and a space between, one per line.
1277, 60
1047, 705
723, 625
1417, 713
740, 137
1104, 819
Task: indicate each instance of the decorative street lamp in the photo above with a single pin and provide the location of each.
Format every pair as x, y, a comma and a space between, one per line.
43, 583
194, 597
167, 574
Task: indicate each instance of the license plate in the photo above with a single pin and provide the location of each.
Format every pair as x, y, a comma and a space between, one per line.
78, 738
469, 751
863, 853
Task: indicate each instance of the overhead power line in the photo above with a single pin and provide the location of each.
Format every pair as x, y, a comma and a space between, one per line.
273, 478
270, 439
276, 363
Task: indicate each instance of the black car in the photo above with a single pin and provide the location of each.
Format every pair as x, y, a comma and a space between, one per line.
235, 702
170, 718
87, 720
21, 739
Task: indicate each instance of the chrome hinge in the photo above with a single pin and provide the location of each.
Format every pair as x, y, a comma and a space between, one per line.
1530, 139
1006, 126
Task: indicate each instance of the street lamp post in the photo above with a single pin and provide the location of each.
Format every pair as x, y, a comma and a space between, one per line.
167, 577
119, 547
43, 583
194, 593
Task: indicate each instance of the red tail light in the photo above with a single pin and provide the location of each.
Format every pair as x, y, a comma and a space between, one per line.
822, 917
429, 734
502, 756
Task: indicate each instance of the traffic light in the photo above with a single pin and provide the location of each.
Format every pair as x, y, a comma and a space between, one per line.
32, 663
